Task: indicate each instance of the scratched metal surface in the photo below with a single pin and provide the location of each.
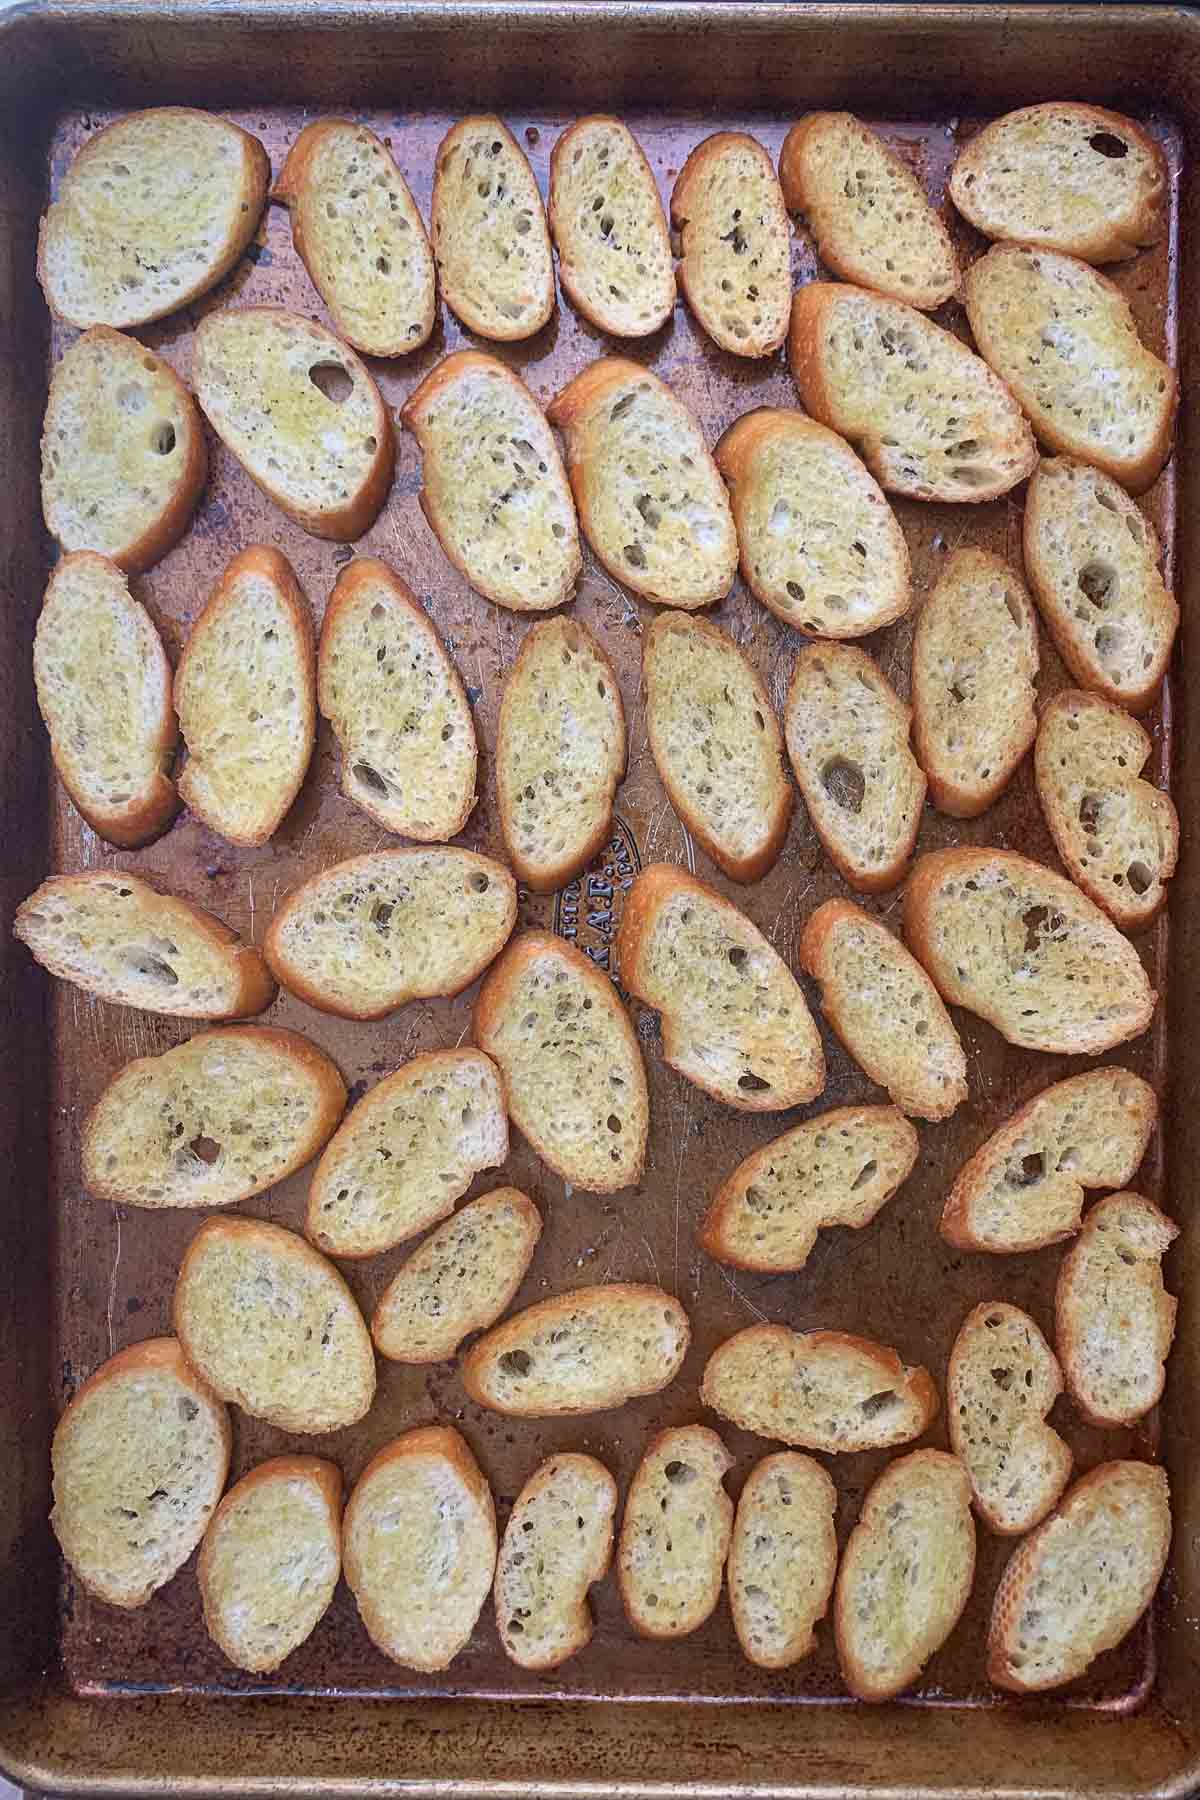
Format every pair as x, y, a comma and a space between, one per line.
897, 1280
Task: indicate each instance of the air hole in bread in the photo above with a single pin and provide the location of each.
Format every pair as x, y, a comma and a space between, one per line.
383, 265
635, 556
162, 438
131, 397
752, 1084
144, 962
737, 956
478, 882
1139, 877
1028, 1171
1106, 143
330, 379
1039, 922
649, 511
874, 1404
843, 782
679, 1473
1099, 582
1090, 809
370, 778
864, 1175
516, 1362
969, 476
205, 1149
370, 445
621, 408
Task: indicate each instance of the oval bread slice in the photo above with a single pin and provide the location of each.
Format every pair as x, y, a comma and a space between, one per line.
1002, 1381
140, 1457
906, 1573
736, 272
782, 1558
840, 1168
885, 1009
493, 487
820, 1390
569, 1060
1073, 177
408, 1151
560, 752
123, 456
387, 685
1092, 560
716, 743
675, 1533
1023, 948
154, 210
245, 691
1064, 339
847, 737
927, 416
420, 1546
1114, 1319
733, 1017
490, 236
357, 231
651, 502
819, 544
272, 1325
557, 1542
585, 1351
1023, 1189
1082, 1581
614, 254
301, 414
974, 659
370, 934
119, 938
104, 692
1117, 835
867, 210
270, 1560
215, 1120
459, 1280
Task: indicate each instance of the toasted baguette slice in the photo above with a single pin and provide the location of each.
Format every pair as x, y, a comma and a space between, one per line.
885, 1009
459, 1280
358, 233
906, 1574
214, 1120
104, 692
847, 736
301, 414
123, 456
734, 1020
974, 659
651, 502
736, 272
1082, 1581
819, 545
387, 685
374, 932
837, 1169
821, 1390
569, 1059
614, 254
560, 752
1002, 1381
675, 1533
927, 416
1064, 339
408, 1151
1023, 948
490, 236
782, 1558
716, 744
245, 691
494, 491
271, 1325
1073, 177
1023, 1189
140, 1457
586, 1351
154, 210
1117, 835
270, 1560
1092, 559
1114, 1319
867, 210
420, 1546
557, 1542
116, 936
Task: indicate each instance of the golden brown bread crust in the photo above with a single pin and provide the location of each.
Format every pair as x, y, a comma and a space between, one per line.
682, 196
257, 179
288, 188
459, 303
360, 510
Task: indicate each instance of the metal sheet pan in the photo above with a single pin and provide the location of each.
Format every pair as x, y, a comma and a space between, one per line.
143, 1700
